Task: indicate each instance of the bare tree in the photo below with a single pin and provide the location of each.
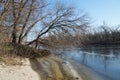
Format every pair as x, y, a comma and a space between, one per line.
4, 7
60, 18
3, 12
25, 15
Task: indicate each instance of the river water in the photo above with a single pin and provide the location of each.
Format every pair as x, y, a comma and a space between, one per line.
103, 60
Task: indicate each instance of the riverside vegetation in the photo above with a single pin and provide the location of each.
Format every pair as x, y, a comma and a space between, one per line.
48, 68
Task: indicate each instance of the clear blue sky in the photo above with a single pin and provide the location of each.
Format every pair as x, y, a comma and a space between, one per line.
98, 10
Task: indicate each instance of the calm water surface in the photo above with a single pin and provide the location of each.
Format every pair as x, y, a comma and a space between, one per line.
104, 60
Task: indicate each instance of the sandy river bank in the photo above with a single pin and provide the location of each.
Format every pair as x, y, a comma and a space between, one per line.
47, 68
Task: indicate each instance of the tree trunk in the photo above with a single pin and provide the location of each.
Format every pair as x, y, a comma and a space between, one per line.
14, 37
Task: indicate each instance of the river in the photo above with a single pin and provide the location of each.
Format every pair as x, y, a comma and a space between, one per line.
103, 60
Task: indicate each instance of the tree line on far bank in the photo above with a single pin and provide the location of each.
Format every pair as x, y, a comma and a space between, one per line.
105, 35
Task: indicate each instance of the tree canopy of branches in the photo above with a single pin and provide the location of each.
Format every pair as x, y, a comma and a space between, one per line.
23, 16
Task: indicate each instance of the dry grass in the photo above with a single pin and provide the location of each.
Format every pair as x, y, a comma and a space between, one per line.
10, 61
14, 53
22, 51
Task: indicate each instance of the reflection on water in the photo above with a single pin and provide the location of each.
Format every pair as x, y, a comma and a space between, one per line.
106, 61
